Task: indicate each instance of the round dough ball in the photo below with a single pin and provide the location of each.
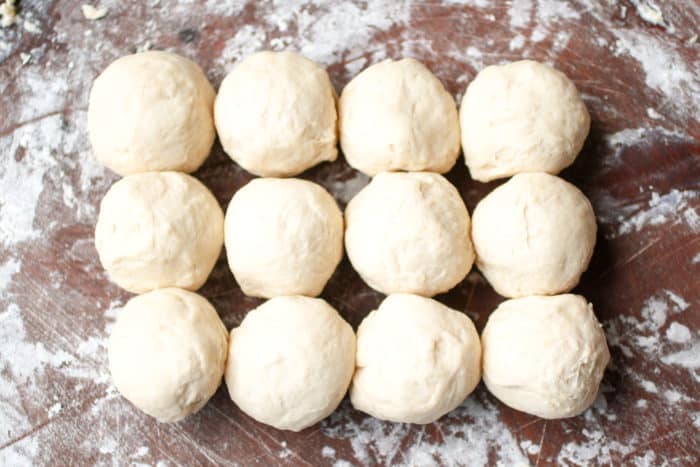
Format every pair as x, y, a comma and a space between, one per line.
521, 117
283, 237
151, 111
533, 235
409, 232
290, 362
159, 229
416, 360
544, 355
167, 353
275, 114
398, 116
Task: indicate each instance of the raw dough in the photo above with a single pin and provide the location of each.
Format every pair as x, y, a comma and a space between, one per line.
283, 237
159, 229
398, 116
521, 117
151, 111
275, 114
290, 362
416, 360
167, 353
545, 355
533, 235
409, 232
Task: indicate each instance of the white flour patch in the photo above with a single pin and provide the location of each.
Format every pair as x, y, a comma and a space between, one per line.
696, 259
328, 452
8, 269
640, 138
247, 40
655, 338
653, 114
517, 42
667, 209
469, 434
677, 332
649, 386
519, 13
665, 70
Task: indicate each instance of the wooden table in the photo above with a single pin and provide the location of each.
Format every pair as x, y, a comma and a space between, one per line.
640, 167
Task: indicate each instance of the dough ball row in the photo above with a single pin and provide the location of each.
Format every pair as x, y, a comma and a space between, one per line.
408, 235
276, 116
291, 360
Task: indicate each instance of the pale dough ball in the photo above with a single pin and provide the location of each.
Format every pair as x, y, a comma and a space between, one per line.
416, 360
533, 235
167, 353
290, 362
544, 355
521, 117
151, 111
275, 114
159, 229
283, 237
409, 232
398, 116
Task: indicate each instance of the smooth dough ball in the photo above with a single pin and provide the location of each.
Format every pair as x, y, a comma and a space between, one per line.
521, 117
275, 114
290, 362
159, 229
151, 111
544, 355
398, 116
167, 353
283, 237
533, 235
416, 360
409, 233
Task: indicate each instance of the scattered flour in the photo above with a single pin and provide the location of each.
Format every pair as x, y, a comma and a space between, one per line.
468, 435
671, 208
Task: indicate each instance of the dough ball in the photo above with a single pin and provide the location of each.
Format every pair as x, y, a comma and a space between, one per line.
544, 355
275, 114
409, 232
533, 235
521, 117
416, 360
167, 353
398, 116
290, 362
283, 237
151, 111
159, 229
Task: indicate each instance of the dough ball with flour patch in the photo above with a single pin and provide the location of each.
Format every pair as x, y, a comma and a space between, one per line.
167, 353
416, 360
409, 233
290, 362
521, 117
398, 116
544, 355
533, 235
275, 114
159, 229
283, 237
151, 111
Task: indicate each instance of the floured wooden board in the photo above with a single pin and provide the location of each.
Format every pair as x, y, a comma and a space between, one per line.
638, 69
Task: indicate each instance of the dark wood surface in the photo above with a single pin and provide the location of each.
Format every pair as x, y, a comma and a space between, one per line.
640, 167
